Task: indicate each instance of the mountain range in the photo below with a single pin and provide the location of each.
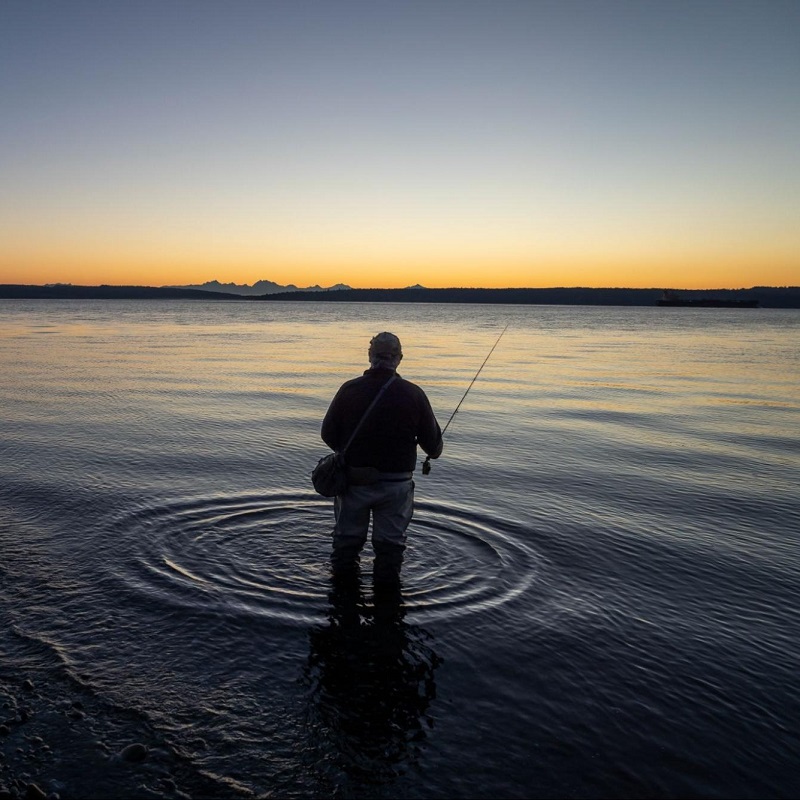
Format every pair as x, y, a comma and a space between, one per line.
258, 288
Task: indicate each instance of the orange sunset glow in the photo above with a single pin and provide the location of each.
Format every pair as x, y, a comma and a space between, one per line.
472, 144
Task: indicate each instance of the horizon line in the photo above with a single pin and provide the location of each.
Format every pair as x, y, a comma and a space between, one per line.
417, 287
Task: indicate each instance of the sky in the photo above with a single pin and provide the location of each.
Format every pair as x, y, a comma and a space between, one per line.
386, 144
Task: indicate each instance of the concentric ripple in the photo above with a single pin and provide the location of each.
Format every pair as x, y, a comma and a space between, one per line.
460, 561
267, 555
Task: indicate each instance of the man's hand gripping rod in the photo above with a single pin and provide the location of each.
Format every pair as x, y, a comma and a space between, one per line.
426, 464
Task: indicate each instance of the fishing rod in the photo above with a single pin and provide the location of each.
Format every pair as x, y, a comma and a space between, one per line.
426, 465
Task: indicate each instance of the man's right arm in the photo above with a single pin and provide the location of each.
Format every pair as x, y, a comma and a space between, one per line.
429, 436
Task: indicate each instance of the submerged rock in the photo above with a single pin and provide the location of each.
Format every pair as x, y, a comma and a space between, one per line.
134, 753
33, 792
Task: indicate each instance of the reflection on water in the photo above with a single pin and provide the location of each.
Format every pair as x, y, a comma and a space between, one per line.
371, 681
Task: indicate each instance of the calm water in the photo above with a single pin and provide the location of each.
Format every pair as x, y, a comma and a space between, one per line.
601, 593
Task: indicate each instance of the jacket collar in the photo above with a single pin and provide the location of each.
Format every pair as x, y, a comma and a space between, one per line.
381, 372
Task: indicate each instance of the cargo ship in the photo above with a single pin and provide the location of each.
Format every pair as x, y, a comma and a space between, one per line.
670, 298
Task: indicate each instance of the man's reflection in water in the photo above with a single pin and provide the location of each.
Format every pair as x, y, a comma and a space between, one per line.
371, 681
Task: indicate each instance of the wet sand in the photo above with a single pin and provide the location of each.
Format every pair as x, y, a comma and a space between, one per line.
58, 741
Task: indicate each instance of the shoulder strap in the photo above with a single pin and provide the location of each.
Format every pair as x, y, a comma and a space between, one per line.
366, 413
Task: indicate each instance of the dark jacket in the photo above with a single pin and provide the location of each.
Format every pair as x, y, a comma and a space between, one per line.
388, 439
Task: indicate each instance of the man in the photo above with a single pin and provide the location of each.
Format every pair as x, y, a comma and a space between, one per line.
380, 460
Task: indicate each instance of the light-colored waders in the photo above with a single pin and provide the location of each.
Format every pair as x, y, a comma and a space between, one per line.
390, 502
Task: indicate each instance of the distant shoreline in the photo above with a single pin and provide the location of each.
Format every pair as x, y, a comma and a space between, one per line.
767, 296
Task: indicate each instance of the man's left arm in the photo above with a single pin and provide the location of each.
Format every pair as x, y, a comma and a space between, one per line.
330, 426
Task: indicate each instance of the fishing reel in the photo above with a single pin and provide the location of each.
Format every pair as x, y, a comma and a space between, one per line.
426, 466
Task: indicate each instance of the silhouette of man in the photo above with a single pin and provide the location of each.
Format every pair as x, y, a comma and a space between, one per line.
380, 460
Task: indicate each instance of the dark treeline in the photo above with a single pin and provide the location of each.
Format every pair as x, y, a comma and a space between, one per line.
612, 297
66, 291
767, 296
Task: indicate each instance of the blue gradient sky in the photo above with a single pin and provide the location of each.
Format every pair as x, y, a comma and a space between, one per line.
384, 144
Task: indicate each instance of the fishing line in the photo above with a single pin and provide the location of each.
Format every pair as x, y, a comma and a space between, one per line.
426, 465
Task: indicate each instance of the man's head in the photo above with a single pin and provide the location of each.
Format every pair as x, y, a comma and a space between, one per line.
385, 351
